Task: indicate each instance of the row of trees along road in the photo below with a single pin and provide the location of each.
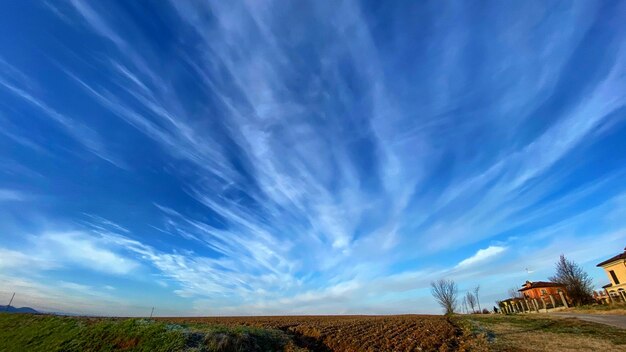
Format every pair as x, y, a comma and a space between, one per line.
577, 282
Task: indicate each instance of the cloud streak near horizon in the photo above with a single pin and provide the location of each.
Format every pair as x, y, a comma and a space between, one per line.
314, 157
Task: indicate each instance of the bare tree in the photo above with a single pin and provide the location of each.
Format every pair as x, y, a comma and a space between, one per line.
577, 282
476, 289
446, 293
471, 300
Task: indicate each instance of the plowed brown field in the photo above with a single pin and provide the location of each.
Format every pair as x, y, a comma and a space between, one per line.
360, 333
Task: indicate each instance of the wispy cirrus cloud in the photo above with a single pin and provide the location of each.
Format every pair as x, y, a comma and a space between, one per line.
321, 193
84, 135
308, 155
7, 195
482, 255
52, 250
12, 259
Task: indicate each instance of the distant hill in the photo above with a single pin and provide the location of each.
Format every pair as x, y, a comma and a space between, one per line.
17, 310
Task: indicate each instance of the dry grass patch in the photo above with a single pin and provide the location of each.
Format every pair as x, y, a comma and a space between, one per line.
612, 309
543, 333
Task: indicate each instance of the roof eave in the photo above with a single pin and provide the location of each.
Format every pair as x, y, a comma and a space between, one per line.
607, 262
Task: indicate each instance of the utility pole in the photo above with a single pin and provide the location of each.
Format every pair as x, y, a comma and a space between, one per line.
11, 301
152, 311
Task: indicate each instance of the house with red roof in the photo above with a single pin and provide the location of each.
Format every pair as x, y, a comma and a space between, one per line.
541, 289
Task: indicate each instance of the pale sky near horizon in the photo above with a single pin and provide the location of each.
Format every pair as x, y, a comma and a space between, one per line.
307, 157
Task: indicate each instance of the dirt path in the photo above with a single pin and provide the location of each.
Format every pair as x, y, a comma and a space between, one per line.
613, 320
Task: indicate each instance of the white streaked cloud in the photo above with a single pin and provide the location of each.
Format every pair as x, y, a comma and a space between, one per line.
7, 195
482, 255
96, 22
11, 259
280, 169
83, 134
306, 182
84, 250
53, 250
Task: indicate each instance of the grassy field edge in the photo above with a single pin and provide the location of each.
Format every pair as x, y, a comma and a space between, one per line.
28, 332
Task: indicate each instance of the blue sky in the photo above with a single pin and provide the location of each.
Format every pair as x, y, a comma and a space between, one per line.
307, 157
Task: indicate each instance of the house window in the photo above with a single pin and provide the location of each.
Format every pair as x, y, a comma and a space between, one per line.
614, 277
